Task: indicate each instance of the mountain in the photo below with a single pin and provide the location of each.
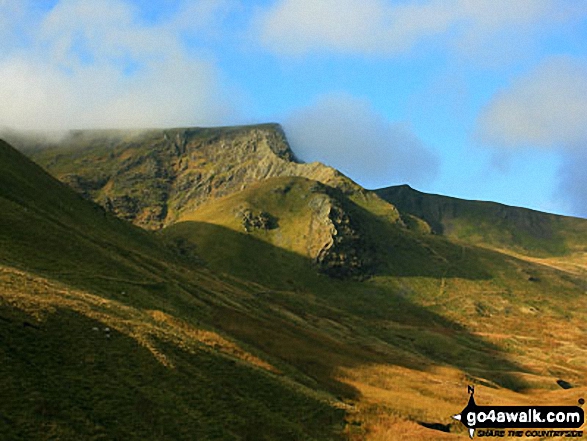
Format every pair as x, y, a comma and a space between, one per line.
151, 177
284, 303
156, 178
521, 230
106, 332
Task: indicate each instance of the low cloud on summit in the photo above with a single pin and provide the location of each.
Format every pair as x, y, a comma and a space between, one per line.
347, 133
520, 69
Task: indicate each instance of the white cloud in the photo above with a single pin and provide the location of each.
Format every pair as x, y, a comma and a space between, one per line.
347, 133
204, 15
294, 27
95, 64
547, 108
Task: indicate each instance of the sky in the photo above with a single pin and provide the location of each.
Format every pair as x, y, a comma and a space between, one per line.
478, 99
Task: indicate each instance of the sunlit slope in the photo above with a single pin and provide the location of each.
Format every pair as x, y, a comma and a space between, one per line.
396, 338
76, 366
515, 229
152, 177
105, 335
324, 227
404, 336
427, 304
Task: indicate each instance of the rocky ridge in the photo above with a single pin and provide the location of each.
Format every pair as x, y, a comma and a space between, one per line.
157, 178
151, 178
524, 231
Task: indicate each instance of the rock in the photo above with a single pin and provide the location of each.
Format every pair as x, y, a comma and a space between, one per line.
342, 252
564, 384
125, 207
154, 177
260, 221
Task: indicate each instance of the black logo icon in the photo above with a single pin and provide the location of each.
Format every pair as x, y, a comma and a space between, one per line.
518, 417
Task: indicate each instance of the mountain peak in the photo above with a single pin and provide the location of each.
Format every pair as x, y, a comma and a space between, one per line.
151, 177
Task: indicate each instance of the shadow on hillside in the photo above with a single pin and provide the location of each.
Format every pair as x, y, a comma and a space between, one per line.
66, 369
396, 251
318, 324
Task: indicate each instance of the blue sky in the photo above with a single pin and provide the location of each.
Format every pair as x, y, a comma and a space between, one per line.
481, 99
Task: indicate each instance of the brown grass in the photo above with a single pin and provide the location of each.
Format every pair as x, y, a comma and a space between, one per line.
40, 297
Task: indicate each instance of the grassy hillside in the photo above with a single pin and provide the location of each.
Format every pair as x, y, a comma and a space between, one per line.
225, 324
521, 230
104, 333
307, 216
431, 309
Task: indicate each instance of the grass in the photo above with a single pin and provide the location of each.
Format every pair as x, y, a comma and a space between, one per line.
61, 379
520, 230
164, 373
474, 312
217, 333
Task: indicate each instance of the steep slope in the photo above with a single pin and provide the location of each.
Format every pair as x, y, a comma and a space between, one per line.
103, 333
295, 214
521, 230
45, 225
433, 315
396, 349
152, 177
325, 227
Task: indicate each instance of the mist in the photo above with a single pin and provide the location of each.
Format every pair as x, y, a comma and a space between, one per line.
572, 186
345, 132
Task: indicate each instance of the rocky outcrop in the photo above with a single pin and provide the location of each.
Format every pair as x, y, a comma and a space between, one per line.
335, 243
256, 221
125, 207
151, 178
302, 216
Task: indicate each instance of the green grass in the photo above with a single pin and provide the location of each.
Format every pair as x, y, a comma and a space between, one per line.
525, 231
62, 379
425, 293
222, 334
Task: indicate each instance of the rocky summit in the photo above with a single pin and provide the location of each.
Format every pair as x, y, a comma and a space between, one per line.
152, 177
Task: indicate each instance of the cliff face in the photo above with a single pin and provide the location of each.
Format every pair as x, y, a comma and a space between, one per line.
335, 244
151, 178
158, 178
